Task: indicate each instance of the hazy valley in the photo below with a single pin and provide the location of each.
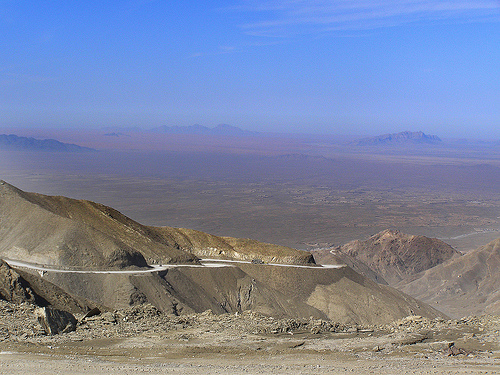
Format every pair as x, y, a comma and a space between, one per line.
390, 222
292, 191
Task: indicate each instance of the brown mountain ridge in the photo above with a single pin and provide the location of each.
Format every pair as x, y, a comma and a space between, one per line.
427, 269
67, 234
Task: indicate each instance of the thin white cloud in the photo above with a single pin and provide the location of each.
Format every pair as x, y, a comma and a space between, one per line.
286, 17
226, 49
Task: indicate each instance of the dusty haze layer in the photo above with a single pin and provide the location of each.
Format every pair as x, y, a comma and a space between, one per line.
297, 192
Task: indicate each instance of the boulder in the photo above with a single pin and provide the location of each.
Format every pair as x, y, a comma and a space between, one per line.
55, 321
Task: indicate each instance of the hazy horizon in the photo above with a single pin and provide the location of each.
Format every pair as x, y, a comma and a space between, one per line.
322, 67
61, 133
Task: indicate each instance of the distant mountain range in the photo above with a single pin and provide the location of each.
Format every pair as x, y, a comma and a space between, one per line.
406, 137
222, 129
14, 142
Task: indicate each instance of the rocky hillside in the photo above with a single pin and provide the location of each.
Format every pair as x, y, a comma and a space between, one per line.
67, 234
20, 287
14, 288
337, 294
390, 255
333, 256
462, 286
341, 295
76, 233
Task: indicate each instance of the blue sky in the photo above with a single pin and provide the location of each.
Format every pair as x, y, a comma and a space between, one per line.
339, 67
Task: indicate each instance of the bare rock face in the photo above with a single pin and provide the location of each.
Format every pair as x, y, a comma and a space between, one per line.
55, 321
18, 286
396, 256
13, 287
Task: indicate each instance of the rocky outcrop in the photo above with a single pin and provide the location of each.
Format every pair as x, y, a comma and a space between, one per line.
13, 287
18, 286
205, 245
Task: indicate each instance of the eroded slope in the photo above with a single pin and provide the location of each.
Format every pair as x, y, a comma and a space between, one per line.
339, 294
76, 233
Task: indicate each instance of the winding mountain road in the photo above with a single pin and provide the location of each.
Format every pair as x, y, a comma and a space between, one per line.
157, 268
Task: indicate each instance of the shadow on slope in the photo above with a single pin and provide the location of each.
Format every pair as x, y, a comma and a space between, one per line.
341, 294
461, 286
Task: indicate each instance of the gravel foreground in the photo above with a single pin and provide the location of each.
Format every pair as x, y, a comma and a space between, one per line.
142, 339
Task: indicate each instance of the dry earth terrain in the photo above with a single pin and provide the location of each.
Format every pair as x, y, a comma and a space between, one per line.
142, 339
147, 322
390, 256
470, 283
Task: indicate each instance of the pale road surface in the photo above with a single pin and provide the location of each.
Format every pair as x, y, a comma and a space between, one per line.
156, 268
